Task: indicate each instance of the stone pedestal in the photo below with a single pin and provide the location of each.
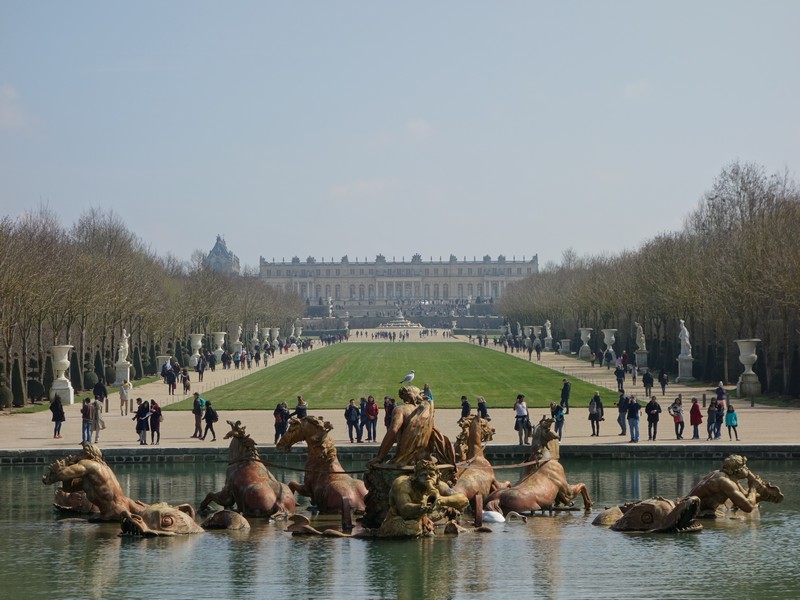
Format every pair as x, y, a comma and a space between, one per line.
585, 351
548, 344
298, 331
684, 369
565, 343
537, 332
197, 343
254, 342
61, 384
123, 372
748, 384
237, 346
527, 329
274, 332
162, 360
641, 360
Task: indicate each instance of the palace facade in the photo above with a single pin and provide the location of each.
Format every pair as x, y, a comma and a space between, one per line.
389, 281
222, 259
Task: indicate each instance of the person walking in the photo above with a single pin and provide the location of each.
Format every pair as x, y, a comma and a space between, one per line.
97, 420
124, 397
142, 418
663, 380
695, 419
622, 417
372, 419
565, 391
171, 380
466, 409
653, 412
647, 382
711, 419
210, 417
351, 415
719, 420
57, 408
198, 405
676, 412
388, 410
521, 419
185, 379
156, 416
595, 413
281, 414
86, 421
634, 408
732, 421
101, 391
557, 412
619, 375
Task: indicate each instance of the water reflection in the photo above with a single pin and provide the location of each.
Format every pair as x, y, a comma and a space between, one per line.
560, 556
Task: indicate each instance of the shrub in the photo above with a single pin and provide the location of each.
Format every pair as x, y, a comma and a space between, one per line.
6, 397
98, 365
89, 380
138, 367
75, 376
17, 388
152, 361
110, 375
49, 374
36, 390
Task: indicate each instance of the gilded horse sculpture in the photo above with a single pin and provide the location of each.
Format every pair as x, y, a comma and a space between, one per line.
476, 475
325, 481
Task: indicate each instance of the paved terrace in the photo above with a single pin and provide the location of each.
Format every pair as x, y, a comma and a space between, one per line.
760, 427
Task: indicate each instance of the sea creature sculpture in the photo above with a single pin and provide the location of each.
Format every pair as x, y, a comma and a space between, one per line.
325, 481
160, 520
544, 483
654, 515
249, 485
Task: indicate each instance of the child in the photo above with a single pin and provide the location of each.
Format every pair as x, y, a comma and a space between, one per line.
732, 421
185, 381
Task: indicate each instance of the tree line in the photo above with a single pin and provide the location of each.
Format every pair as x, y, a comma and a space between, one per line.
81, 285
732, 272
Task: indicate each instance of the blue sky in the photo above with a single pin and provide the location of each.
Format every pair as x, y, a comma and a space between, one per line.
332, 128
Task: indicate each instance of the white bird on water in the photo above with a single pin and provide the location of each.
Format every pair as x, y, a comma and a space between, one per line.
408, 378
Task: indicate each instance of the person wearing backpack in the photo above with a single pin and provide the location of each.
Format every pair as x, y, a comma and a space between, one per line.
595, 413
622, 419
210, 418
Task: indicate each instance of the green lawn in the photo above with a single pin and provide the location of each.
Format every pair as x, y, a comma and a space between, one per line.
329, 377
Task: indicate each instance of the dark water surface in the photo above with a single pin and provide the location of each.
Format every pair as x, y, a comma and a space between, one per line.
563, 556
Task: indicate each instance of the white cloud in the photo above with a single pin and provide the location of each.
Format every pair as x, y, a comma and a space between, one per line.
636, 91
11, 114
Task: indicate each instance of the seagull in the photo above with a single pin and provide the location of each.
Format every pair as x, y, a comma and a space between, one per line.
408, 378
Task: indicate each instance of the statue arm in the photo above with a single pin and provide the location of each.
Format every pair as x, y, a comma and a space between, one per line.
406, 507
66, 473
390, 437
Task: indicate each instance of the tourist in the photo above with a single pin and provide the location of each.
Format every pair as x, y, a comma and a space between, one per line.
711, 419
281, 414
522, 419
388, 409
565, 390
155, 423
142, 418
58, 416
171, 380
557, 412
466, 409
676, 412
634, 373
592, 358
538, 347
622, 417
362, 408
351, 415
647, 382
372, 419
211, 417
212, 362
595, 413
634, 408
695, 419
97, 420
301, 409
653, 411
237, 357
720, 392
426, 391
719, 420
483, 412
663, 380
619, 374
100, 391
197, 410
731, 421
608, 358
200, 367
124, 397
185, 380
86, 421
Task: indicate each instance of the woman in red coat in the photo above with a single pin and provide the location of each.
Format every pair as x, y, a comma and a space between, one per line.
695, 419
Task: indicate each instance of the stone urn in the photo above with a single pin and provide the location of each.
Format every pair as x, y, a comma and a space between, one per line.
527, 329
61, 384
586, 334
274, 332
608, 340
265, 334
196, 340
219, 341
162, 359
298, 330
748, 384
537, 332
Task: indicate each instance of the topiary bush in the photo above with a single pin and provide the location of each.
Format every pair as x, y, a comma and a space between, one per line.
110, 375
6, 397
36, 390
75, 376
98, 364
89, 380
138, 367
49, 374
17, 388
152, 361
